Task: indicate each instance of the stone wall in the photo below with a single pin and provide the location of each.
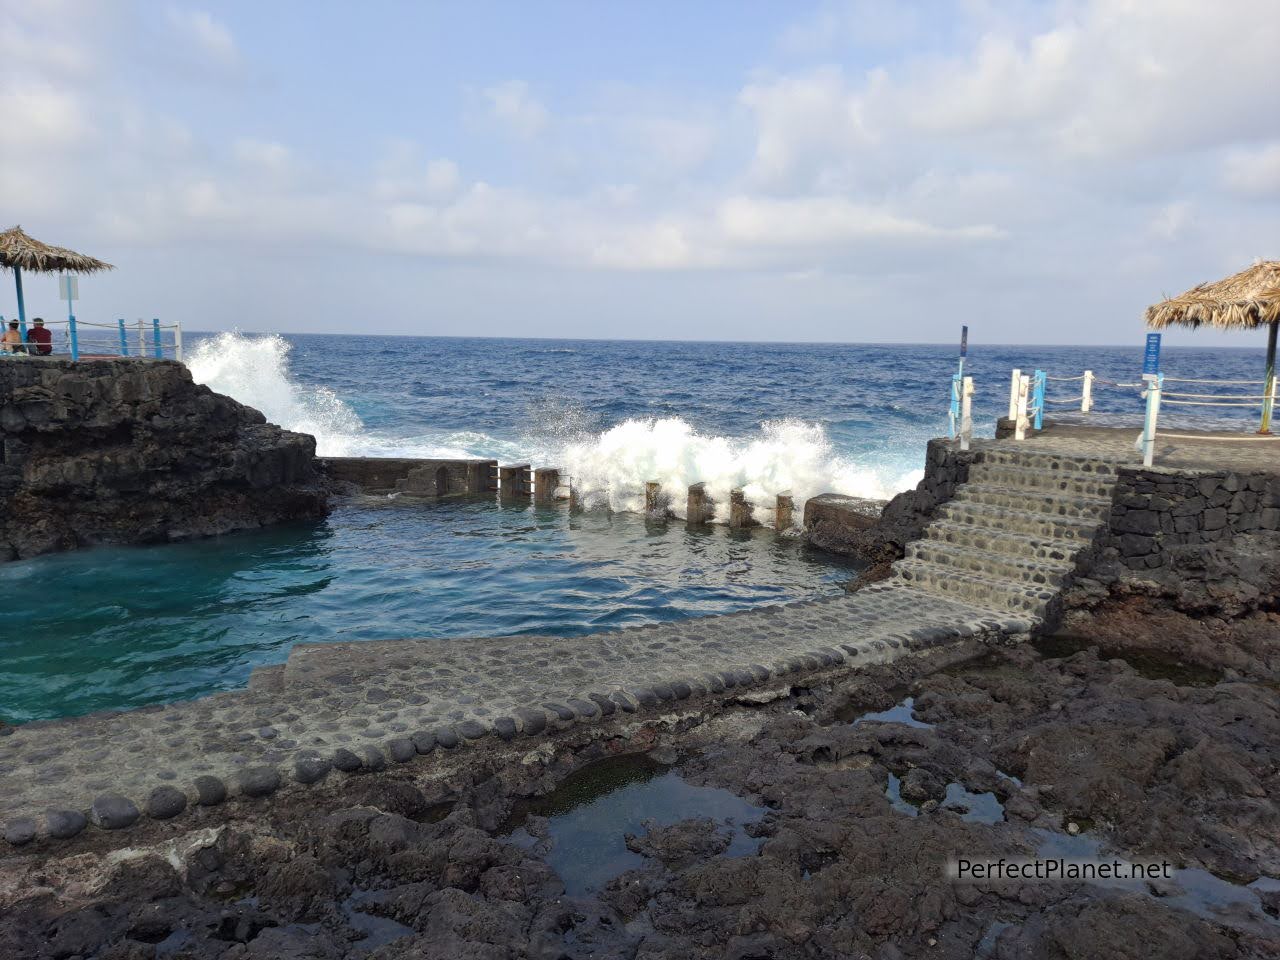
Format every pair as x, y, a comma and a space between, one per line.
412, 476
1208, 542
843, 527
133, 451
1154, 510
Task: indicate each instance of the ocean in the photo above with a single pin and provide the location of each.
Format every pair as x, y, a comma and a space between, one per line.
112, 627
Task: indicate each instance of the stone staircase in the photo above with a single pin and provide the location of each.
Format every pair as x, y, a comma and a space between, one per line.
1009, 538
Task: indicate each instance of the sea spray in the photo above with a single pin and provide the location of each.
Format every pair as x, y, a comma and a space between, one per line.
609, 467
612, 468
255, 371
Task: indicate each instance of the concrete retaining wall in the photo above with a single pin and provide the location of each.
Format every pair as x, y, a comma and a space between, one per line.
413, 476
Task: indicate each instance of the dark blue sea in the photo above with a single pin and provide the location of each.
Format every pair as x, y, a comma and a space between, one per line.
120, 627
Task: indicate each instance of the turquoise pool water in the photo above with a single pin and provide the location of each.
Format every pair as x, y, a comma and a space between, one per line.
122, 627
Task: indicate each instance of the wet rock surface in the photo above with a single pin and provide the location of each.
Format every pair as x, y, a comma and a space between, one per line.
133, 451
401, 867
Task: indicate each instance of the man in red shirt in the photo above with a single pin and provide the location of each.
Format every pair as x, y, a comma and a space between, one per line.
41, 340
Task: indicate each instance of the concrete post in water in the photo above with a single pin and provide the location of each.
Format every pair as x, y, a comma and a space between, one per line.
966, 413
785, 507
652, 496
515, 480
575, 497
545, 482
1013, 394
482, 476
1152, 417
1086, 393
699, 508
1020, 413
740, 511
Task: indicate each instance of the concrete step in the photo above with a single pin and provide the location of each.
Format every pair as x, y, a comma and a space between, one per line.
1048, 573
1049, 461
1056, 481
1027, 523
991, 593
1035, 501
1005, 542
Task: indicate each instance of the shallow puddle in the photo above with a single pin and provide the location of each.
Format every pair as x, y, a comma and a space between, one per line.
1146, 663
378, 931
591, 811
903, 713
1192, 889
973, 807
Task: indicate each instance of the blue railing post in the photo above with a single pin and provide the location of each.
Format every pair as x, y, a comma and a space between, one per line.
954, 413
75, 341
1040, 385
155, 338
124, 340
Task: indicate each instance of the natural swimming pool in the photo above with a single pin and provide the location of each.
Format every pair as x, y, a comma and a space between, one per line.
113, 628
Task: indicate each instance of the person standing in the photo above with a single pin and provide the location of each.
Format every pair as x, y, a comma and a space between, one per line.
11, 342
39, 339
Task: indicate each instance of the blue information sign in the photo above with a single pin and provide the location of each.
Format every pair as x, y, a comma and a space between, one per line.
964, 341
1151, 358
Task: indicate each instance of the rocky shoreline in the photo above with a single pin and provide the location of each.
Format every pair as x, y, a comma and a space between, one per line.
133, 451
1011, 752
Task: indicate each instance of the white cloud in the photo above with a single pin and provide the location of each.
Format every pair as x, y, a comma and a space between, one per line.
1078, 145
206, 34
266, 156
1253, 171
516, 108
40, 116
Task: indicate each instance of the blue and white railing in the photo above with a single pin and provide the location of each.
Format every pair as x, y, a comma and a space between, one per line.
961, 412
81, 339
1027, 399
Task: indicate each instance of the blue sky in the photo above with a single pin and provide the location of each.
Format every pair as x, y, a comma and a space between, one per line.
849, 171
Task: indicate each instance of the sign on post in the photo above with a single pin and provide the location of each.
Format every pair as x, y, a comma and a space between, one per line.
1151, 357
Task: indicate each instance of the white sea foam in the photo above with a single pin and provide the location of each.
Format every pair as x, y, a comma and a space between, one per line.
255, 371
610, 467
787, 455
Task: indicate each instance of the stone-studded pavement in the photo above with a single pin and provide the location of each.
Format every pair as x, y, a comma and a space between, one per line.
1175, 450
352, 706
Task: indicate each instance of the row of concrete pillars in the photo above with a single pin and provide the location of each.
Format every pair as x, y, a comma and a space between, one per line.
543, 484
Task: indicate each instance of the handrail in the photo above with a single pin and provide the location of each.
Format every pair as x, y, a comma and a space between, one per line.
77, 335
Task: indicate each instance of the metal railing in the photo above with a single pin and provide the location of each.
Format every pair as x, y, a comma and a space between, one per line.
961, 412
1027, 400
82, 339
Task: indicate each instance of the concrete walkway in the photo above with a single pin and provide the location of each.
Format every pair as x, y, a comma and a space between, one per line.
354, 706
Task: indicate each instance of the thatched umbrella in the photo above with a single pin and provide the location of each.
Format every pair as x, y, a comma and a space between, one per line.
20, 252
1243, 301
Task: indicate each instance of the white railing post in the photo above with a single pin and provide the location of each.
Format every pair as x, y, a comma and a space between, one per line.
1086, 393
1153, 415
966, 413
1020, 414
142, 343
1013, 393
1268, 403
177, 341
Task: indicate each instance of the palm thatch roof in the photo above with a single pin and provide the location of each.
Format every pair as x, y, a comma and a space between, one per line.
1243, 301
26, 253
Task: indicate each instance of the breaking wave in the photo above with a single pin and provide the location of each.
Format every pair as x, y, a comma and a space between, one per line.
609, 466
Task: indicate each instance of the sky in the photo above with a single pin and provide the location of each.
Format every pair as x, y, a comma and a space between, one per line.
847, 171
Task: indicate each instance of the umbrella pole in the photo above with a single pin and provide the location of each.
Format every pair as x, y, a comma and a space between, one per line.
1270, 380
22, 307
